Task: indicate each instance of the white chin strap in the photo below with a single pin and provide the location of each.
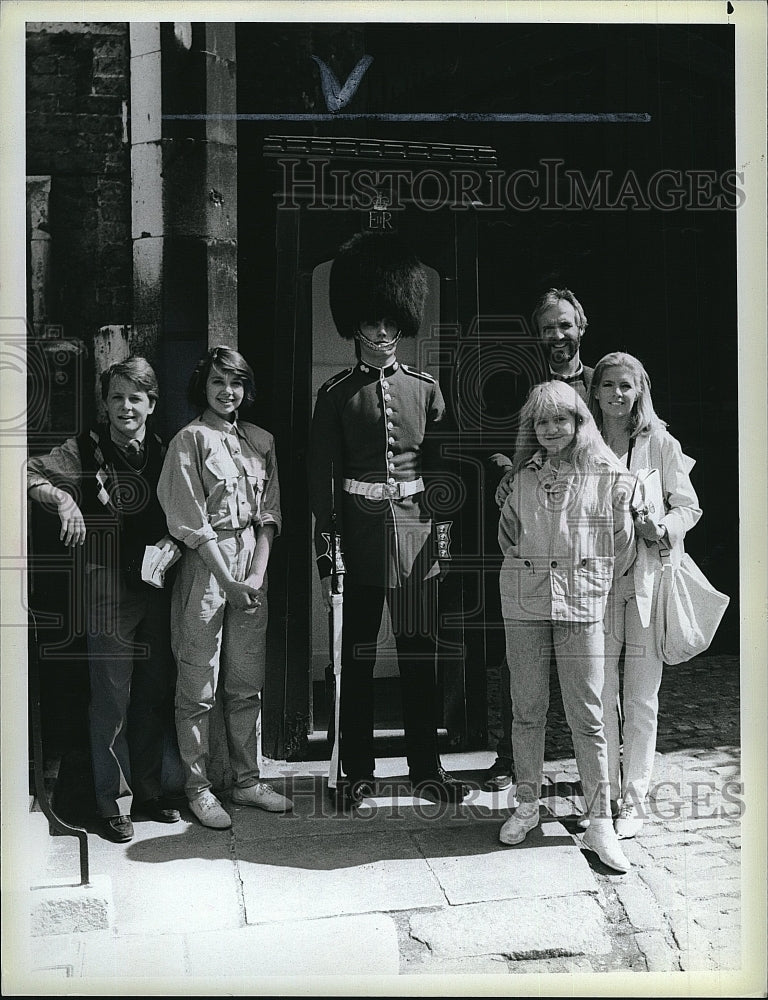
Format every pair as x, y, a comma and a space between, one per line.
385, 348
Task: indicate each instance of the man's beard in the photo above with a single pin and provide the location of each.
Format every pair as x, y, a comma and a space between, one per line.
562, 353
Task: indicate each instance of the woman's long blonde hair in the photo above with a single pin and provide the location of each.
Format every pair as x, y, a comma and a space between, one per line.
588, 450
643, 418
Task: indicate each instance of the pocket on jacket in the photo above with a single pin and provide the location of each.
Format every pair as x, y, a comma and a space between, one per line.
516, 575
221, 466
594, 575
254, 471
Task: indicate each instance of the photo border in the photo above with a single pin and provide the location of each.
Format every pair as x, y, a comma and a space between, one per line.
749, 18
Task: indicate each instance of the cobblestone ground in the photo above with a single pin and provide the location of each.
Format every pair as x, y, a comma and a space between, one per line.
699, 706
679, 908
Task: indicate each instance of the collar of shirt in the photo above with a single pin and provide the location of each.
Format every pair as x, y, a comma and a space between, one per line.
578, 376
218, 423
122, 441
541, 464
363, 366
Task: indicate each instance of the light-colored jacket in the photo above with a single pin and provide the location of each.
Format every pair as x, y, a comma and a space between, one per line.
659, 450
565, 536
219, 476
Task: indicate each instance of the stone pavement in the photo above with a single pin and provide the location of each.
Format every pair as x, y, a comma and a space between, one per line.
407, 896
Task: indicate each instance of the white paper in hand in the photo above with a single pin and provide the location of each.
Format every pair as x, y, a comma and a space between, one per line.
150, 573
650, 489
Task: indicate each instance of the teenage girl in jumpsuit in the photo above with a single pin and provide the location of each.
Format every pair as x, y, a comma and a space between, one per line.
220, 492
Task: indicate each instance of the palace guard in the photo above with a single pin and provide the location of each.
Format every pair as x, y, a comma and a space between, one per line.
374, 443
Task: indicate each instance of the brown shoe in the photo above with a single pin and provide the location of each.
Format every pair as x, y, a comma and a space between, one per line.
118, 829
160, 810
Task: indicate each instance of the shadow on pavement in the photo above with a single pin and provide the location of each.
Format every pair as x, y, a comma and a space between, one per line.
386, 829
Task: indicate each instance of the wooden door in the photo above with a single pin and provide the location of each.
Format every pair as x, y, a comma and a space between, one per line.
307, 351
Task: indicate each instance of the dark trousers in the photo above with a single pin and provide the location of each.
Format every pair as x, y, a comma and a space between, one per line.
132, 680
413, 610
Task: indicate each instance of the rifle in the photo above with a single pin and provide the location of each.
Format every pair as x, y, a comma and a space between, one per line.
335, 621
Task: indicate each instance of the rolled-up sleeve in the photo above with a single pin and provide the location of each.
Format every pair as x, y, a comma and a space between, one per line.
61, 467
270, 502
181, 493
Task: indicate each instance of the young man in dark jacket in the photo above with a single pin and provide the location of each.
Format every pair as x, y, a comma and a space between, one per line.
102, 484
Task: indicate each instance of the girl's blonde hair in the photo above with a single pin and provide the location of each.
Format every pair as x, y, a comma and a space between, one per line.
588, 450
643, 418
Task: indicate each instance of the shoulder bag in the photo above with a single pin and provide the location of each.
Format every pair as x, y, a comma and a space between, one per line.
688, 611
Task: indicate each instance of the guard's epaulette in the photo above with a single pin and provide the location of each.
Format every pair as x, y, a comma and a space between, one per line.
335, 379
424, 376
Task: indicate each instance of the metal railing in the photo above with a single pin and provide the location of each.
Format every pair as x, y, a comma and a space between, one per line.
35, 723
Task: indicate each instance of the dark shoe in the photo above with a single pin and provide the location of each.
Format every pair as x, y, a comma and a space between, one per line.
439, 786
500, 775
118, 829
160, 810
357, 789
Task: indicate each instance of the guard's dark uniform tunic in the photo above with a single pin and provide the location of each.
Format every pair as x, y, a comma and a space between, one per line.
376, 433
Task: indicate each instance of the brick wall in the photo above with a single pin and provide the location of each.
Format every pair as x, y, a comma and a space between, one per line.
77, 132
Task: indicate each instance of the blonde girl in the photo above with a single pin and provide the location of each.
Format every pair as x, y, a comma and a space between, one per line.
566, 532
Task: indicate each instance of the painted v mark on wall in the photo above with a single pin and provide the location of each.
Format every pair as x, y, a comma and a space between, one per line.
337, 97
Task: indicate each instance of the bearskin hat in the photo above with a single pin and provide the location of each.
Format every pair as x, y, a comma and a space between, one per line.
376, 275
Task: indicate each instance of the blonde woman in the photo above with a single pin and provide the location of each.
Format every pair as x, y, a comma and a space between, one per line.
620, 399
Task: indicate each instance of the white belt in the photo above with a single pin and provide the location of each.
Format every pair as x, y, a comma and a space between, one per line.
383, 491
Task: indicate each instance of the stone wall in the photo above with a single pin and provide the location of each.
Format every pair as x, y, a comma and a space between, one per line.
78, 134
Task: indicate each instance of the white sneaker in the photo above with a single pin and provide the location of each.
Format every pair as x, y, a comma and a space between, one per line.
524, 819
582, 822
262, 796
629, 822
209, 811
601, 838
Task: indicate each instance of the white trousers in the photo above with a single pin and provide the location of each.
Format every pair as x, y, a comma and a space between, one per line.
637, 704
